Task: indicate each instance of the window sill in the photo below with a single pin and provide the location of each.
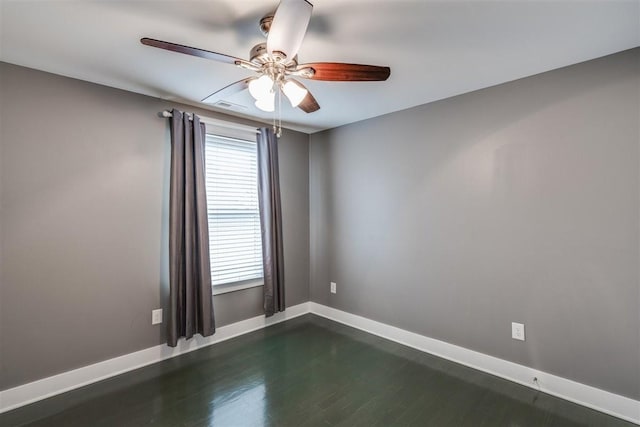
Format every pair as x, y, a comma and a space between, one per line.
237, 286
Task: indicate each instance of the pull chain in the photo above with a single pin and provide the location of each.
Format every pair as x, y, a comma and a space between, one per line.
277, 113
275, 129
279, 133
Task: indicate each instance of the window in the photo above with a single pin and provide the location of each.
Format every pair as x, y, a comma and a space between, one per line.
234, 221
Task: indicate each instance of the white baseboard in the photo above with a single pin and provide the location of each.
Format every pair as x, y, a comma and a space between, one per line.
603, 401
591, 397
50, 386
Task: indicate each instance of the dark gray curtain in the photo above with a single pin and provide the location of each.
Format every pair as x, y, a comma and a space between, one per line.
270, 221
191, 307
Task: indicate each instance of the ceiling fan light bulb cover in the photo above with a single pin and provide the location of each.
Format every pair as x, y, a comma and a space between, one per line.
267, 102
261, 87
294, 92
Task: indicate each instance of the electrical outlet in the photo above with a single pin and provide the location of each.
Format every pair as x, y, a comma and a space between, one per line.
333, 287
156, 316
517, 331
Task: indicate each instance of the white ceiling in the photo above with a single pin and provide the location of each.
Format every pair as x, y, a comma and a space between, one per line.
436, 49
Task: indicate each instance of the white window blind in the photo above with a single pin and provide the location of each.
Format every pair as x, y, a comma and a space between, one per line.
232, 202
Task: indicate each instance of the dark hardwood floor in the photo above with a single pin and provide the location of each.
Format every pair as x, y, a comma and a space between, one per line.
307, 371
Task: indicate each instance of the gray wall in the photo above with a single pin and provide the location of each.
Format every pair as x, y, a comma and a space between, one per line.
514, 203
84, 176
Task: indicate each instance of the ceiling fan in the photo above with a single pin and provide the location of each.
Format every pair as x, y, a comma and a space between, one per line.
276, 61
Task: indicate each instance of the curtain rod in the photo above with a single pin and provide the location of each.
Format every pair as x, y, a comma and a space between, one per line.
215, 122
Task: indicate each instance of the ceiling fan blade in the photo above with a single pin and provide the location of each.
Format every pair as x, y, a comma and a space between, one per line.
229, 90
309, 103
336, 71
193, 51
289, 27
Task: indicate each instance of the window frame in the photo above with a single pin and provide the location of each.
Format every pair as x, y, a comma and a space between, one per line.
224, 288
248, 135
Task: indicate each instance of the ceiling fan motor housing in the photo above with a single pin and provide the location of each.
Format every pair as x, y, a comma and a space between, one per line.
260, 56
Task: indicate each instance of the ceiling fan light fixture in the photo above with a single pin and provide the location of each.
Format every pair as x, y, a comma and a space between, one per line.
267, 102
261, 87
294, 92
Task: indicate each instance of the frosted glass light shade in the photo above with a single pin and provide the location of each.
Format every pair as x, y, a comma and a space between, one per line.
267, 102
294, 92
260, 87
